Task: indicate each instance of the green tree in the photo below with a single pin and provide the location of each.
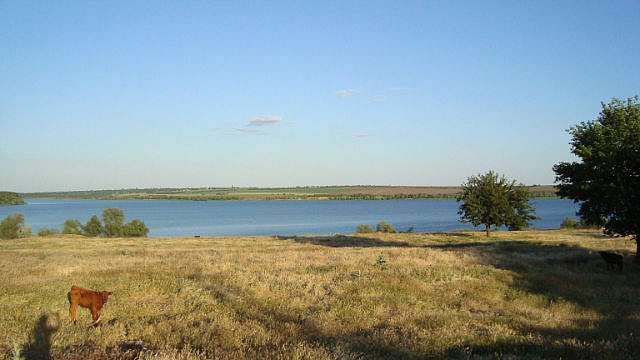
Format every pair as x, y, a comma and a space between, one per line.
13, 227
113, 219
93, 227
135, 228
385, 227
522, 212
491, 200
72, 226
606, 179
364, 229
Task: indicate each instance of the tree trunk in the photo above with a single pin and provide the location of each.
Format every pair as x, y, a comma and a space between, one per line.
487, 228
637, 259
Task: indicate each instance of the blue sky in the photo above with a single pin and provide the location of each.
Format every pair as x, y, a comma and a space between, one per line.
102, 95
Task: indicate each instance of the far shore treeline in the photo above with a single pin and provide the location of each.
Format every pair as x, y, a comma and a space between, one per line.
361, 192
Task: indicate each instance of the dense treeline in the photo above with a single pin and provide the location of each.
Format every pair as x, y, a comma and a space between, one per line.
10, 198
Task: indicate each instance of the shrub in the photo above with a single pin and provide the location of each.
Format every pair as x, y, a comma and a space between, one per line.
135, 228
72, 226
13, 227
364, 229
410, 230
48, 232
569, 223
113, 219
93, 227
385, 227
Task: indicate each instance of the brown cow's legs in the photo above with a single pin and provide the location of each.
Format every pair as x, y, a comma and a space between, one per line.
72, 311
95, 315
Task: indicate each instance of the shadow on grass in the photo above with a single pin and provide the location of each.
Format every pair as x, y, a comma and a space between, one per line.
340, 241
558, 272
554, 273
39, 346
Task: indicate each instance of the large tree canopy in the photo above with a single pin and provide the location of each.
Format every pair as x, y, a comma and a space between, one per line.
491, 200
606, 180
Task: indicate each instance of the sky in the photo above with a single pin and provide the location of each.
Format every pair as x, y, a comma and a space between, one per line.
125, 94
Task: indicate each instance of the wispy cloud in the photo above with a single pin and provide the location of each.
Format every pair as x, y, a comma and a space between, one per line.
265, 120
346, 93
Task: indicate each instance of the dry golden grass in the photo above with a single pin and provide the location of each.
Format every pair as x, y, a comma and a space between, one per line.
538, 294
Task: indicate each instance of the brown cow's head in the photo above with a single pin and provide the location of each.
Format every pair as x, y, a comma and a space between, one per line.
105, 296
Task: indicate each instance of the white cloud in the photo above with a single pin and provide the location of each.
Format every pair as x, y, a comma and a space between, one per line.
265, 120
248, 131
346, 93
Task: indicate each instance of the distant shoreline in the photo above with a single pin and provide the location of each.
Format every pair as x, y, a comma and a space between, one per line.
267, 194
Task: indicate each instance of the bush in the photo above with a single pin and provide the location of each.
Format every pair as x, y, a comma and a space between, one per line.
569, 223
381, 262
93, 227
135, 228
113, 219
72, 226
385, 227
364, 229
13, 227
410, 230
48, 232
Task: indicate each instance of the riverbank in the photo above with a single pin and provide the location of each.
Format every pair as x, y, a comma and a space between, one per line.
294, 193
531, 294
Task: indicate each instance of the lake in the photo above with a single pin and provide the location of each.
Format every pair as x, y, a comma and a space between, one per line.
286, 217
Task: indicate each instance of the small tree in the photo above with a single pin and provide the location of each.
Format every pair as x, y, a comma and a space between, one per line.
606, 180
385, 227
135, 228
13, 227
72, 226
569, 223
490, 200
113, 219
93, 227
364, 229
522, 212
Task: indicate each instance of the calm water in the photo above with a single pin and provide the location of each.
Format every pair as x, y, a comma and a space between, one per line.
187, 218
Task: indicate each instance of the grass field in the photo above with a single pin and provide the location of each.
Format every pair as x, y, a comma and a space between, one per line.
537, 294
292, 193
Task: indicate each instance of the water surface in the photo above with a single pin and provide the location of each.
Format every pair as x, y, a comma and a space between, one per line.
286, 217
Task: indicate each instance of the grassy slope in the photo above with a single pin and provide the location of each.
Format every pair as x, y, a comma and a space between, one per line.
523, 294
299, 193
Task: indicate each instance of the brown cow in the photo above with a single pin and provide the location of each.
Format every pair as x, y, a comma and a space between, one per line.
88, 299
